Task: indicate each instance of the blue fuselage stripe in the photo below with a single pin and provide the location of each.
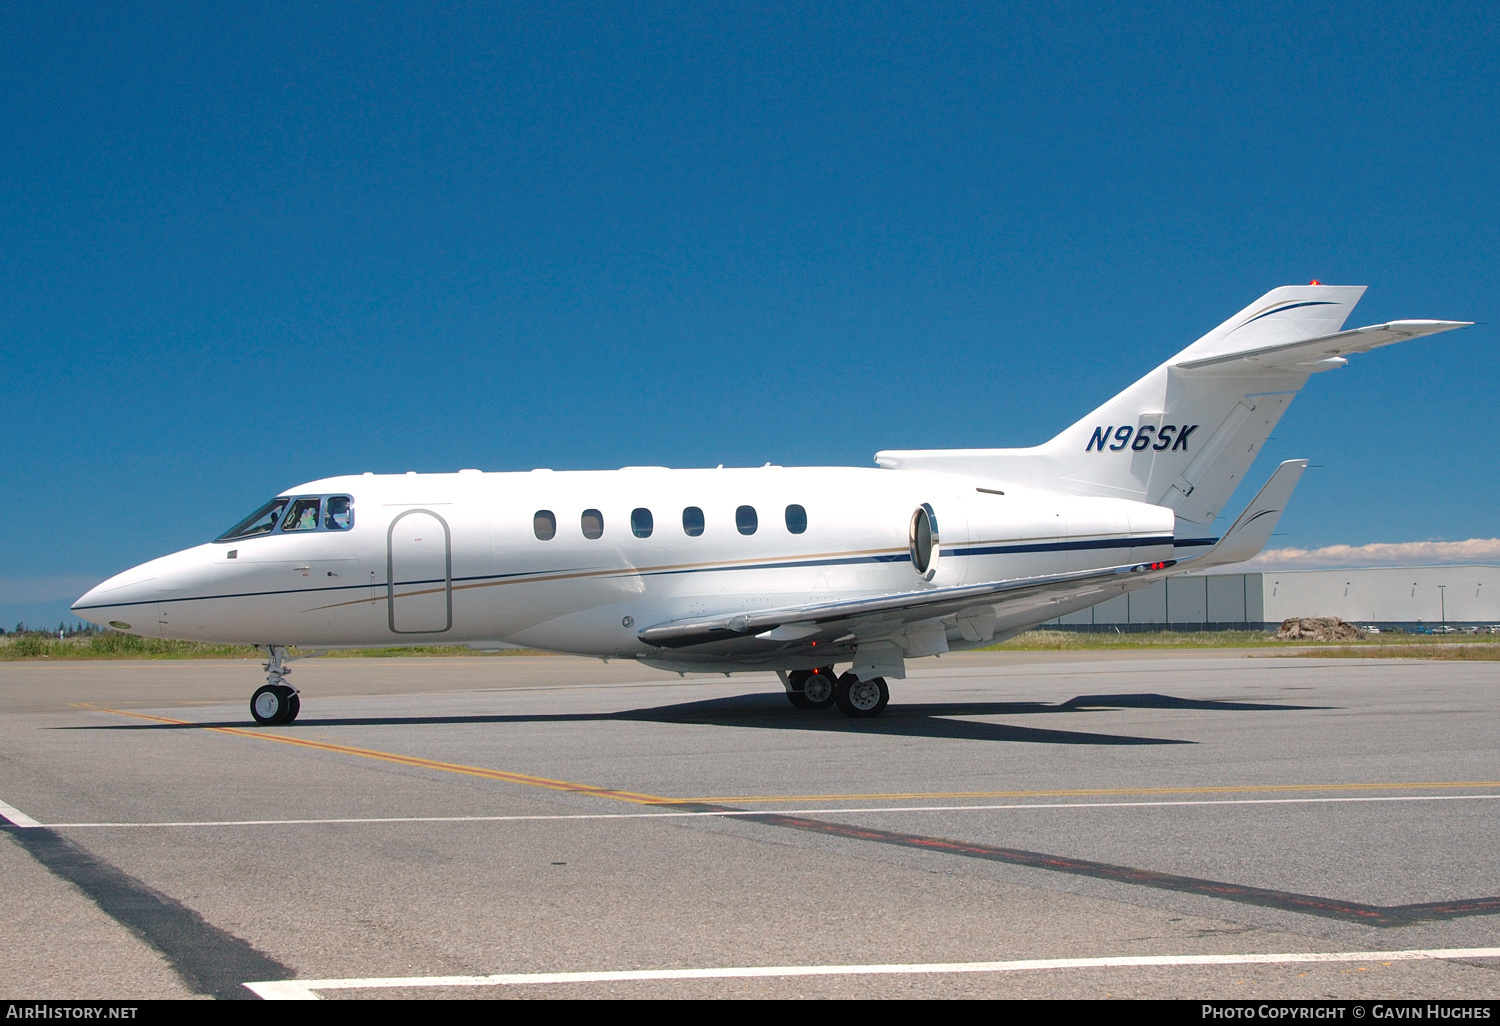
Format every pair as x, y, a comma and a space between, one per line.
895, 557
1068, 546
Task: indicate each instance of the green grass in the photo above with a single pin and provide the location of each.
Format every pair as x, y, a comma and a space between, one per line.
1383, 646
1086, 641
113, 645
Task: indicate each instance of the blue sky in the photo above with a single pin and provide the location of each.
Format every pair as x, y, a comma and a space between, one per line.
246, 246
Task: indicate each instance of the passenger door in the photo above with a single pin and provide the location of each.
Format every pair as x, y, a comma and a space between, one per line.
419, 573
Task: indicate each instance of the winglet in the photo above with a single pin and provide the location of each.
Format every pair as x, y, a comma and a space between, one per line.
1250, 532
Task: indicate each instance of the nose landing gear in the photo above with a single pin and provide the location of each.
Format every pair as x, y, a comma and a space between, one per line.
276, 702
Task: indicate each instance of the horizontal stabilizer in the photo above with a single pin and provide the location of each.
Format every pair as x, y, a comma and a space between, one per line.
1316, 353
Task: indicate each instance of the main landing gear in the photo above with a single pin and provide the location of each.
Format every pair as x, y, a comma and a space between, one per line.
818, 689
811, 689
861, 698
276, 702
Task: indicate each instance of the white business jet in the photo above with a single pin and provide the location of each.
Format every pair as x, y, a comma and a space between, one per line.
791, 569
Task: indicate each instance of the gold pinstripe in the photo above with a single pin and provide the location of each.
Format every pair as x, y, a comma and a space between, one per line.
624, 572
543, 577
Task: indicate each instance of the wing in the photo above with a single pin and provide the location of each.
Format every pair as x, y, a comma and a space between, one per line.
1252, 528
865, 619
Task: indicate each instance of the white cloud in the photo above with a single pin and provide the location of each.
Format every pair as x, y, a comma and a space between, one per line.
15, 590
1474, 550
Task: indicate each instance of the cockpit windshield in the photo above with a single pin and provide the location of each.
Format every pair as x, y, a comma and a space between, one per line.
337, 515
262, 521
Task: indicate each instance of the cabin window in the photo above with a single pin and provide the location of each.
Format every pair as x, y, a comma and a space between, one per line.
593, 523
796, 519
303, 516
692, 521
338, 513
544, 525
262, 521
746, 520
641, 523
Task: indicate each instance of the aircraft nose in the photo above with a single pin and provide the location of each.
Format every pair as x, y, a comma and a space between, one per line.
126, 601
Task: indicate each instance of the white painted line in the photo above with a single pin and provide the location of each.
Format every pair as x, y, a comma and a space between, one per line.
274, 990
733, 813
16, 816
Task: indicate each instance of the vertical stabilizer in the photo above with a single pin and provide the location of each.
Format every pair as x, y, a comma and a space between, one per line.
1184, 435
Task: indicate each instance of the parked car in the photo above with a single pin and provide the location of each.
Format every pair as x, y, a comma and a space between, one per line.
1444, 629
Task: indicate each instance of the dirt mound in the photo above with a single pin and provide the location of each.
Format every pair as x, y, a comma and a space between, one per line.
1317, 628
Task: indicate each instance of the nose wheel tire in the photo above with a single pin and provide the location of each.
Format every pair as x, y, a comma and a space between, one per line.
861, 699
275, 704
812, 689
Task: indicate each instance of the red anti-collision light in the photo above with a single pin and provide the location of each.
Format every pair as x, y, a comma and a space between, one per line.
1315, 282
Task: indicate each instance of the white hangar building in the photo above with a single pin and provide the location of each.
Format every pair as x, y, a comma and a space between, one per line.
1385, 596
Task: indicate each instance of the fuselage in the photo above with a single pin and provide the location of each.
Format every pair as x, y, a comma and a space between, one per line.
580, 561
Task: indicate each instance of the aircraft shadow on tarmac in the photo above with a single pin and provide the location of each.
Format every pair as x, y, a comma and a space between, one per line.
952, 720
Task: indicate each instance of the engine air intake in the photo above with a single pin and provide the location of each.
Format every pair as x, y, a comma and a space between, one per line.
923, 536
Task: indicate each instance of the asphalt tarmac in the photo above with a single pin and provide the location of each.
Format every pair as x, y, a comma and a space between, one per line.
1220, 825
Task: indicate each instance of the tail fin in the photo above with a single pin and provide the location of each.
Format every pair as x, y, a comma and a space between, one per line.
1185, 434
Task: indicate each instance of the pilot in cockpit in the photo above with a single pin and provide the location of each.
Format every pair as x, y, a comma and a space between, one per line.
304, 516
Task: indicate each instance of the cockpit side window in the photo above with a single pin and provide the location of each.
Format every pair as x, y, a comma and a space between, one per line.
262, 521
303, 516
338, 513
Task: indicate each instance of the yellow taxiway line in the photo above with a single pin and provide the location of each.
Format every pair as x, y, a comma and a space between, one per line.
407, 760
638, 798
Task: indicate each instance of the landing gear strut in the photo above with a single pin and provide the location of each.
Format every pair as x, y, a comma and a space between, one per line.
811, 689
276, 702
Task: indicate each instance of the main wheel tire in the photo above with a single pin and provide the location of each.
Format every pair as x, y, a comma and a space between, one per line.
861, 699
820, 689
274, 704
798, 699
